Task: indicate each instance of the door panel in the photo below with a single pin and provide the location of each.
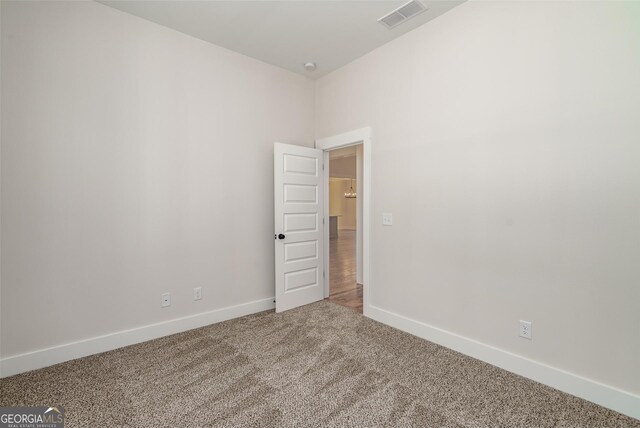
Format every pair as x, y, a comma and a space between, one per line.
298, 195
295, 164
295, 223
301, 278
302, 194
299, 251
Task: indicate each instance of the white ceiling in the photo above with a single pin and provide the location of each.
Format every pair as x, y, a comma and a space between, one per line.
286, 33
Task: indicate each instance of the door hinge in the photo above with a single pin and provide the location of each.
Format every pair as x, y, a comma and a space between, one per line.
322, 220
323, 167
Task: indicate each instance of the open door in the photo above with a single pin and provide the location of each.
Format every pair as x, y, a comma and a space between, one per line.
299, 192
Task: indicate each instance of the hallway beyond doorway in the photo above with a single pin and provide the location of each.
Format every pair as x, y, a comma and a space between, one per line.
344, 290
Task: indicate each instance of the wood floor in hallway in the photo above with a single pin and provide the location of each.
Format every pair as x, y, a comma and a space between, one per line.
342, 267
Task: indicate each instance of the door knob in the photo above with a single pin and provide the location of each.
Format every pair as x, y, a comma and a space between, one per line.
281, 236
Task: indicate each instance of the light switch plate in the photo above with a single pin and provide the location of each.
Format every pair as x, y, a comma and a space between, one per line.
387, 219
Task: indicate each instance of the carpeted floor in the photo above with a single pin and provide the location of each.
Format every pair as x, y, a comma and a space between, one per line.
321, 365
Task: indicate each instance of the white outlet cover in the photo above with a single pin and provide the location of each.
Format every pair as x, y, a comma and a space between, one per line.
387, 219
197, 293
526, 330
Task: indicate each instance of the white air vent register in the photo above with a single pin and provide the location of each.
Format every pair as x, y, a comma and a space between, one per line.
402, 13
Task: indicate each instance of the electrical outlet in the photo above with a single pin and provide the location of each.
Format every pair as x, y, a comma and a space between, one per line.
166, 300
197, 293
387, 219
525, 329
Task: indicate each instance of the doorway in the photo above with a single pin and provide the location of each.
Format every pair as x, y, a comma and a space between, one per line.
340, 265
345, 273
301, 219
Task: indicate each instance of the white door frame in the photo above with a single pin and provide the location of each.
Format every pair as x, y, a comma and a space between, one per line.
358, 136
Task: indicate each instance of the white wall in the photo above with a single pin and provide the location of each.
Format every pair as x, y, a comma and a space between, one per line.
344, 208
135, 161
344, 167
506, 145
342, 172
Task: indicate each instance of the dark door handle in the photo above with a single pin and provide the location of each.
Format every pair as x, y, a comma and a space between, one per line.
281, 236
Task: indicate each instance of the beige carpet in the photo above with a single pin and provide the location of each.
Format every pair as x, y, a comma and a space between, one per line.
317, 366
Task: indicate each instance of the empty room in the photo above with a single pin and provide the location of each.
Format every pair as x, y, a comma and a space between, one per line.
319, 213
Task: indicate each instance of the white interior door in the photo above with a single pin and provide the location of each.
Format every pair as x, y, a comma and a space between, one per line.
299, 192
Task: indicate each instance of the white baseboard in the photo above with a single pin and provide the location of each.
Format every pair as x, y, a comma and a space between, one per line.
604, 395
46, 357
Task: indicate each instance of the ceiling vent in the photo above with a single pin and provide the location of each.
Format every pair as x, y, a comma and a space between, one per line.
402, 13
